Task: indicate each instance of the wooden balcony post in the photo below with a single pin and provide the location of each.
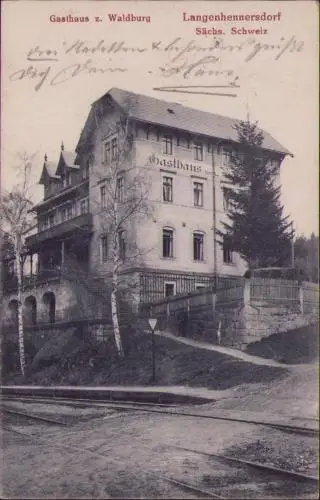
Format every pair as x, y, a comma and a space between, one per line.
246, 292
62, 252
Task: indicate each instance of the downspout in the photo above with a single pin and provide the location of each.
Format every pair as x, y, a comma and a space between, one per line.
215, 262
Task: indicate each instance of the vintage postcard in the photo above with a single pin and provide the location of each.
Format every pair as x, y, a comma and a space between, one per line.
159, 249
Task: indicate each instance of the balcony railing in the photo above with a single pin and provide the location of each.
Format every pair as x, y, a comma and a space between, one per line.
81, 223
10, 283
65, 192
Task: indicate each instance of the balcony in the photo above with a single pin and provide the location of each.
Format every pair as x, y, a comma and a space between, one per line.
81, 223
10, 283
68, 192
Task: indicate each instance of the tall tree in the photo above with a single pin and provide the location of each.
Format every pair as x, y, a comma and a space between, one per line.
16, 220
256, 227
124, 203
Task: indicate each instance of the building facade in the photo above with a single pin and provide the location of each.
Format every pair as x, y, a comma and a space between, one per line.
175, 163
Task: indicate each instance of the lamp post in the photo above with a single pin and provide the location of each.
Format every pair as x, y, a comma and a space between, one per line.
152, 323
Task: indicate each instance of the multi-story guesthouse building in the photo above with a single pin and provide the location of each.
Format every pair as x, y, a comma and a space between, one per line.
179, 154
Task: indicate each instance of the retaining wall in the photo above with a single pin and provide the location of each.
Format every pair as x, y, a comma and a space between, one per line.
240, 315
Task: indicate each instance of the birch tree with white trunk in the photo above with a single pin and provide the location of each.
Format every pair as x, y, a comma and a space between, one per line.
126, 202
16, 220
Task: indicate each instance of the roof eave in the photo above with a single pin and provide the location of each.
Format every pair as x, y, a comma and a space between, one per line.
283, 152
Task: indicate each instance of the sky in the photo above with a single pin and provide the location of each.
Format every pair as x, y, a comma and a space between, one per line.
52, 72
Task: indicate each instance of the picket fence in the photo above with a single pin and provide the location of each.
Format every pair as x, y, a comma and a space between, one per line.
267, 290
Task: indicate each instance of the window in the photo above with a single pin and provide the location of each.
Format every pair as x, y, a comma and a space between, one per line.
227, 252
45, 222
198, 246
167, 243
84, 206
63, 212
122, 245
120, 189
85, 170
167, 145
200, 286
104, 248
68, 212
169, 289
198, 194
107, 152
226, 156
51, 219
198, 151
66, 179
114, 149
111, 150
167, 188
103, 198
226, 198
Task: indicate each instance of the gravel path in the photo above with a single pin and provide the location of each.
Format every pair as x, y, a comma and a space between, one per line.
235, 353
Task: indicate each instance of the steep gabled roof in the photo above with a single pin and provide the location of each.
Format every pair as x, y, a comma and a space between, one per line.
66, 159
69, 158
49, 169
158, 112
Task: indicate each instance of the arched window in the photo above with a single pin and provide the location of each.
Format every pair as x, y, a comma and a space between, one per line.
30, 310
49, 301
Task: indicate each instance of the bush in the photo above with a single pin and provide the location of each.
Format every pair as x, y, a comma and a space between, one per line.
300, 345
11, 357
286, 273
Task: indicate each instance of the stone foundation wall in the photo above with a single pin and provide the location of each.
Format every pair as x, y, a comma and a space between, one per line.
233, 318
252, 322
73, 301
64, 300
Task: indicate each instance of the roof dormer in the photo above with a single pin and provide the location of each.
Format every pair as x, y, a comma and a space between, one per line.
48, 171
66, 161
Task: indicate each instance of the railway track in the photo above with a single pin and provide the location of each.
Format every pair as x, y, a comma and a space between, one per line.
180, 484
256, 465
33, 417
198, 488
166, 410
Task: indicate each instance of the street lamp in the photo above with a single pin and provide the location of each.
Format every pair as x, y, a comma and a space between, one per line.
152, 323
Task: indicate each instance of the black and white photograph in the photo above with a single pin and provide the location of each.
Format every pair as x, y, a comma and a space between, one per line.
159, 249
